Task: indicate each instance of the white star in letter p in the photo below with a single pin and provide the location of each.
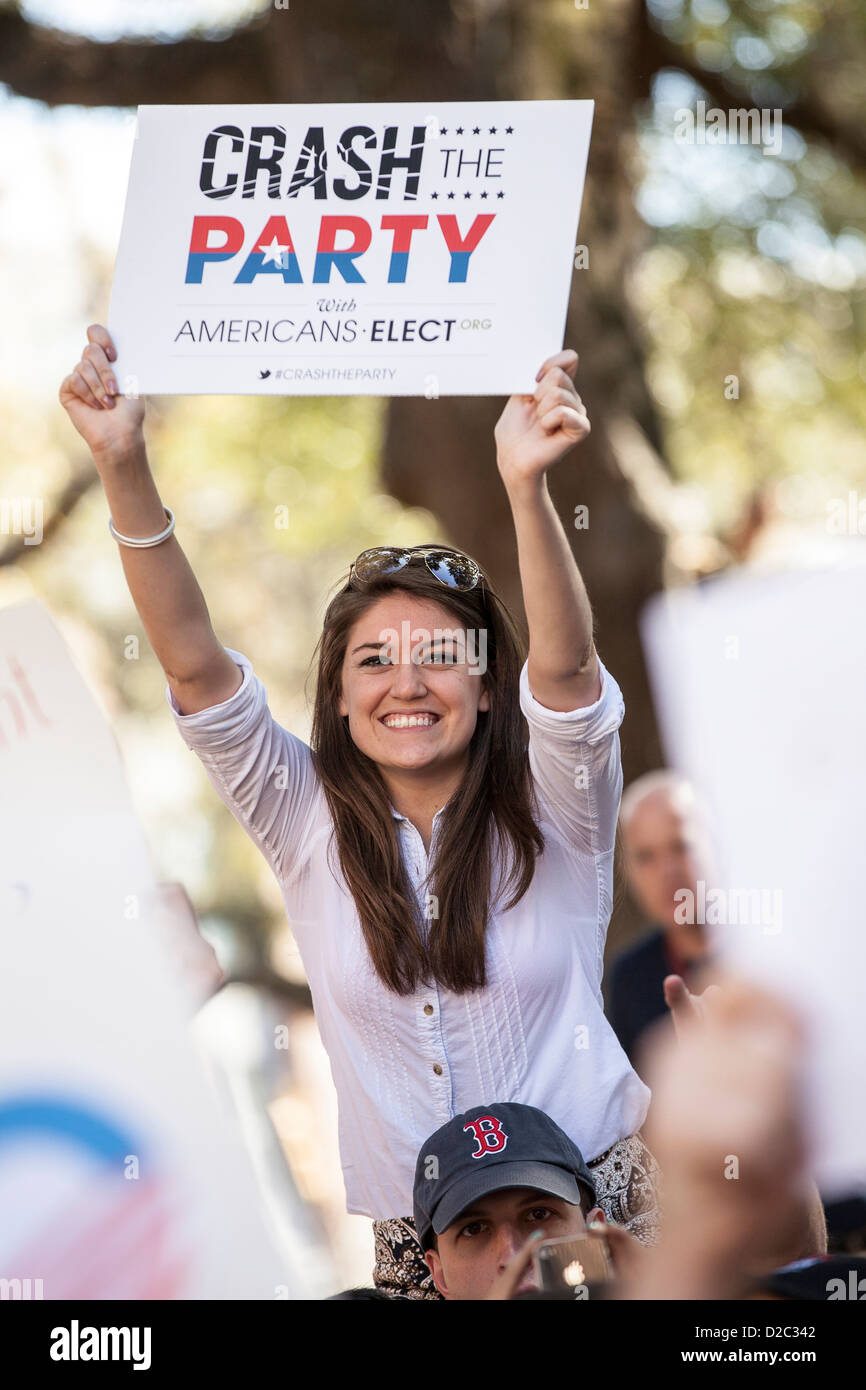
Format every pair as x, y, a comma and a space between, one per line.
273, 252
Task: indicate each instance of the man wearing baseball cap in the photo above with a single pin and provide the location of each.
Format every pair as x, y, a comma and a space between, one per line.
487, 1181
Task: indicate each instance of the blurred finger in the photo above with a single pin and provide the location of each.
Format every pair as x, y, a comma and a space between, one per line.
711, 1000
567, 359
742, 1005
81, 389
97, 333
567, 419
506, 1283
95, 355
94, 381
553, 397
556, 379
681, 1002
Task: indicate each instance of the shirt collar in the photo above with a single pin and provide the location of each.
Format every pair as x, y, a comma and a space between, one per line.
398, 815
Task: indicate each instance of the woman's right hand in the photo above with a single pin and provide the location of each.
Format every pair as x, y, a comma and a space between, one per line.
106, 420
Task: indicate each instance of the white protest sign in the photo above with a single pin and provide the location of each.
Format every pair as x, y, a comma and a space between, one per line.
119, 1175
760, 684
417, 249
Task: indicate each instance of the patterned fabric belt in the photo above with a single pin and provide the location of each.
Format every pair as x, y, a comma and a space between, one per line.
627, 1185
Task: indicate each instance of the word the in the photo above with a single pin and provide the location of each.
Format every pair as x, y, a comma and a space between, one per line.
456, 171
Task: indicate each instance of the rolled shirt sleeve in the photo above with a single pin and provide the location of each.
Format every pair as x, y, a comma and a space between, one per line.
263, 773
575, 760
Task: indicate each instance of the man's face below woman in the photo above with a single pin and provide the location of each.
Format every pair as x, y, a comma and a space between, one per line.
475, 1249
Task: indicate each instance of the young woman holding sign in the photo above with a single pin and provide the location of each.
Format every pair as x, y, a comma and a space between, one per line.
449, 887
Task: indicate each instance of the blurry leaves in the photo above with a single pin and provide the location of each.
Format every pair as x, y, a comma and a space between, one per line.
223, 464
756, 270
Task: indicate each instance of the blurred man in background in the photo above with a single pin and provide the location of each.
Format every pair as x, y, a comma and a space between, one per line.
663, 855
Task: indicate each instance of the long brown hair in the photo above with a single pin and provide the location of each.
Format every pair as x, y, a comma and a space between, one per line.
492, 809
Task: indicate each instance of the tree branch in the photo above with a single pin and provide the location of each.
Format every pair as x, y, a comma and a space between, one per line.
371, 50
57, 68
79, 484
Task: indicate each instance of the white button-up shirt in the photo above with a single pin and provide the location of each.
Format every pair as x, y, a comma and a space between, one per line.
404, 1064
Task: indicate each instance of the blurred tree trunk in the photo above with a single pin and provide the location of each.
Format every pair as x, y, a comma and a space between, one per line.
440, 454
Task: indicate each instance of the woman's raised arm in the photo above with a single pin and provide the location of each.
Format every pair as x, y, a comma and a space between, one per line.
164, 589
532, 433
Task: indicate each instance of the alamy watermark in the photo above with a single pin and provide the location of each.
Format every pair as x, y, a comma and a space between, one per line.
739, 126
21, 1289
22, 516
846, 516
747, 907
441, 646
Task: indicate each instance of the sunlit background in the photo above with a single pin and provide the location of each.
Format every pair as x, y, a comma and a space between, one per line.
754, 268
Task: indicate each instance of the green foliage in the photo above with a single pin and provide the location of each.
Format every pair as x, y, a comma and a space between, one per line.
758, 265
233, 469
755, 270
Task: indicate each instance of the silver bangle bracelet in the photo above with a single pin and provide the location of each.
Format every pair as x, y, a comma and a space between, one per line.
141, 541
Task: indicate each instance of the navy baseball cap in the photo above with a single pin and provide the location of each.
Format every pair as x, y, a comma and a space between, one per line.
488, 1148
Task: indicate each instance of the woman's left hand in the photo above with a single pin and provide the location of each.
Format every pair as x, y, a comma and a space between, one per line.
533, 432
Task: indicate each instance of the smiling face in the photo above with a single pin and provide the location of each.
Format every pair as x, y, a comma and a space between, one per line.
476, 1248
410, 687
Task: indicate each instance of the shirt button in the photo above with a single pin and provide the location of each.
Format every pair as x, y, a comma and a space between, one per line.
437, 1068
428, 1008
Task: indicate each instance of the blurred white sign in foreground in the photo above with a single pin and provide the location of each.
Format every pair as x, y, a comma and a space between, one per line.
760, 683
119, 1175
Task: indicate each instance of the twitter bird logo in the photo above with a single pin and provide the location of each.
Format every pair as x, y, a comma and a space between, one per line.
263, 375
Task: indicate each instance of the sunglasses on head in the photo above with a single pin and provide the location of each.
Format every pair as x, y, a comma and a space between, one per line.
450, 567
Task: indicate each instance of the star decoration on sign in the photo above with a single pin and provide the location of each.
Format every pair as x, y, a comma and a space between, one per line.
476, 130
273, 252
459, 130
450, 195
500, 194
509, 130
